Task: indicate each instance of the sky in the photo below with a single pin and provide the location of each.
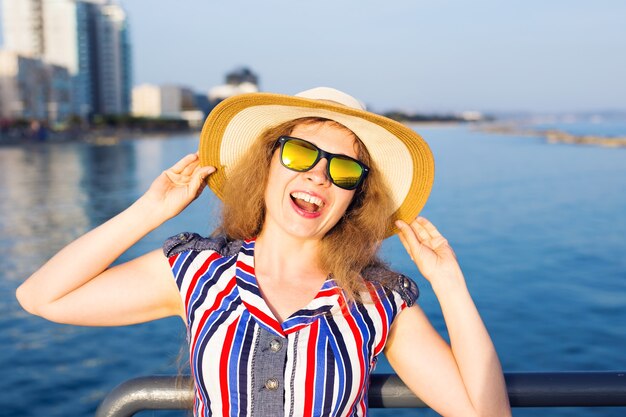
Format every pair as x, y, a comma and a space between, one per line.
411, 55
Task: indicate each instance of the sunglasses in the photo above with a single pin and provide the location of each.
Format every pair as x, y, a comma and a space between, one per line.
300, 155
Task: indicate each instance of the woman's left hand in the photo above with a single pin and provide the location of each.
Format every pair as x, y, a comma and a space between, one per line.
430, 251
468, 371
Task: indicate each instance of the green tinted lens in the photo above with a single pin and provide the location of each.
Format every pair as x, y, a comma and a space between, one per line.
299, 156
345, 172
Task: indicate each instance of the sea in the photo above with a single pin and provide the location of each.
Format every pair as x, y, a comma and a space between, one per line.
539, 230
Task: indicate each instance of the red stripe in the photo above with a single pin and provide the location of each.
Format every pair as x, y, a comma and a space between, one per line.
296, 328
264, 318
245, 267
309, 381
383, 317
172, 259
326, 293
218, 300
359, 347
198, 274
226, 349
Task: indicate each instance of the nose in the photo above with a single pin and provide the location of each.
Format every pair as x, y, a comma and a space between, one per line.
319, 173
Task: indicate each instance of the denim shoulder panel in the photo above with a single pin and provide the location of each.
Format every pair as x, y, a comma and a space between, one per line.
192, 241
393, 281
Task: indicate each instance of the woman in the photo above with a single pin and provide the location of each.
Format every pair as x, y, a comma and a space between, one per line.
287, 306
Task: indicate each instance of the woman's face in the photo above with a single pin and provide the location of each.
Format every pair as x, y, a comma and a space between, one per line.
306, 204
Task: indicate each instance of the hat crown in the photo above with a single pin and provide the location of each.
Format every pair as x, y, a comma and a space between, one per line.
333, 95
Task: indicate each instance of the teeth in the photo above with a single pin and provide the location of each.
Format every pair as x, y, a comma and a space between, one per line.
308, 198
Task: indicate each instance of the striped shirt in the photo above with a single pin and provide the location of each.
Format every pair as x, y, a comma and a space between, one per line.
244, 362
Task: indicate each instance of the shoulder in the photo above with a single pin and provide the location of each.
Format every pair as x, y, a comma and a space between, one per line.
187, 241
388, 282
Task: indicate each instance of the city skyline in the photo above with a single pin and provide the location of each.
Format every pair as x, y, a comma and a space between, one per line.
89, 39
413, 56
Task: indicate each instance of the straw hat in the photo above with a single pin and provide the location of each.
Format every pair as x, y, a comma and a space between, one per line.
400, 154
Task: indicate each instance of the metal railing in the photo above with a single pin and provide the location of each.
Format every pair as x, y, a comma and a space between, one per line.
544, 389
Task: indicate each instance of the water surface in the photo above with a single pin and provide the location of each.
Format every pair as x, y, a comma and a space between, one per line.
539, 229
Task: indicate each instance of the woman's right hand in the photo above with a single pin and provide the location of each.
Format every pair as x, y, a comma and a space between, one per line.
179, 185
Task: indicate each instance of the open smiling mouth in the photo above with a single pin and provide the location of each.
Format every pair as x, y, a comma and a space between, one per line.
307, 202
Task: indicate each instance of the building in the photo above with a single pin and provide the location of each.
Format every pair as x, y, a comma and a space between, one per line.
157, 101
114, 81
242, 75
88, 37
58, 92
22, 25
238, 81
68, 42
167, 101
32, 89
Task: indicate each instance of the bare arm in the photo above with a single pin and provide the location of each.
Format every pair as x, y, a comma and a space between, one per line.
465, 378
77, 286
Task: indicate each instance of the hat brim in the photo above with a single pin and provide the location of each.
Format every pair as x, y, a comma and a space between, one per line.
400, 154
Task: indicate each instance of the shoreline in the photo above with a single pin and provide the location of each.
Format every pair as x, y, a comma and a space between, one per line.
109, 137
104, 137
556, 136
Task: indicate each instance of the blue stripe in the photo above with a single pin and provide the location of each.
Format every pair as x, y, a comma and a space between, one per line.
329, 386
371, 332
235, 360
246, 350
387, 301
248, 247
304, 316
247, 286
341, 359
321, 381
181, 265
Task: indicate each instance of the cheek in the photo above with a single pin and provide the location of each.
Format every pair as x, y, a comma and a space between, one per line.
344, 199
277, 179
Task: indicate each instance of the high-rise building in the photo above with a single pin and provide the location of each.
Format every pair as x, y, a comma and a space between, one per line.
23, 26
88, 37
114, 69
66, 28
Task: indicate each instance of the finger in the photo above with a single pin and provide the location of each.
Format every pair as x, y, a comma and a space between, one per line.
200, 176
426, 224
190, 169
438, 242
416, 250
405, 244
421, 233
179, 166
205, 171
411, 241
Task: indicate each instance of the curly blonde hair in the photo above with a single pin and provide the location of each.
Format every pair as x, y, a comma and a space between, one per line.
350, 246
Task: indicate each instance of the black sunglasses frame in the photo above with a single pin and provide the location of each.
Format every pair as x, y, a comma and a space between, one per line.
321, 153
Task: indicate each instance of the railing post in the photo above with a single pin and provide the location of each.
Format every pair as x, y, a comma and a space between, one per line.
147, 393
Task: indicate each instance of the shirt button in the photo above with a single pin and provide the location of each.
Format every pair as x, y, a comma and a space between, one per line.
276, 345
271, 384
